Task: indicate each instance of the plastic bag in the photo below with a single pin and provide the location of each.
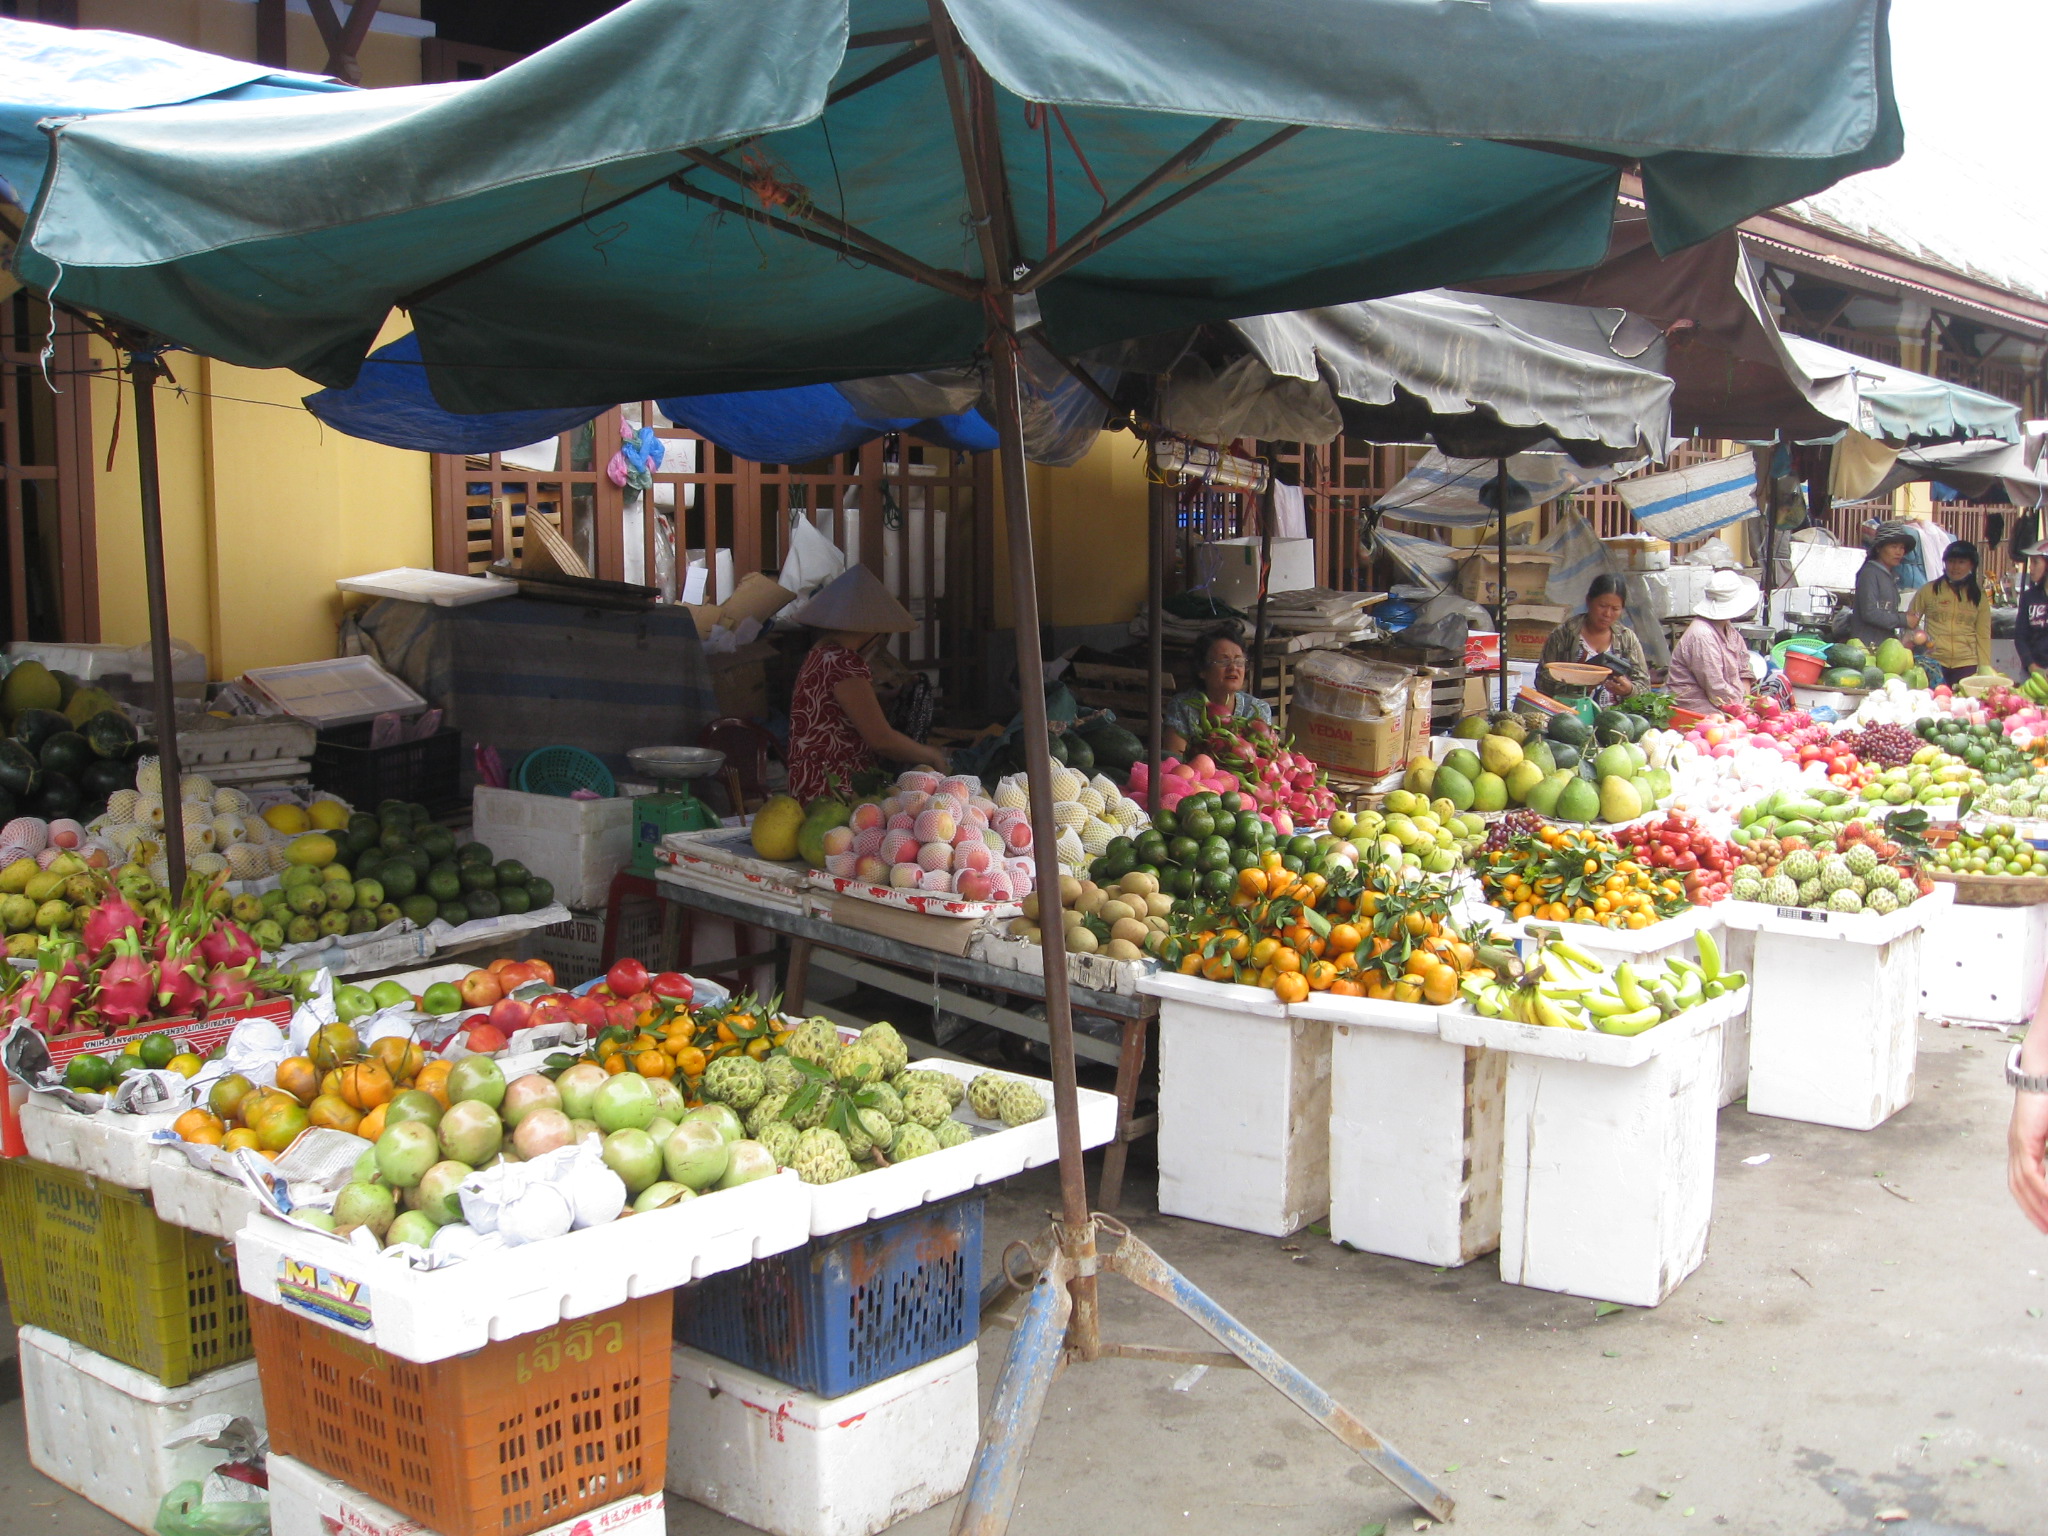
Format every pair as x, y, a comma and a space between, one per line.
1580, 557
186, 1511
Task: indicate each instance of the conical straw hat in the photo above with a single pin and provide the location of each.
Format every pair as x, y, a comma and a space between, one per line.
857, 601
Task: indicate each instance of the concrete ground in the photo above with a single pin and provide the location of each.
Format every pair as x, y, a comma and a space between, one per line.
1863, 1350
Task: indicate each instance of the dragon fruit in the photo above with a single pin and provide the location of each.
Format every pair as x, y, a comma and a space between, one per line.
127, 986
230, 988
108, 921
228, 945
181, 982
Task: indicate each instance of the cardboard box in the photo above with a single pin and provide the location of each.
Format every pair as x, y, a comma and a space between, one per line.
1415, 738
1371, 745
1482, 650
1229, 568
1529, 627
1639, 552
740, 680
1475, 695
1528, 575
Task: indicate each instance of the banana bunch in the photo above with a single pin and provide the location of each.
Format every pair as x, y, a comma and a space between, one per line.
2035, 687
1566, 988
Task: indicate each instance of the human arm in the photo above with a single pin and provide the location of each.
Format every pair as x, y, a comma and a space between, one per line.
2026, 1138
856, 696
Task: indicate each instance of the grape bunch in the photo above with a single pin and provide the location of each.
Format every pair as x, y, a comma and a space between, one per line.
1882, 746
1511, 826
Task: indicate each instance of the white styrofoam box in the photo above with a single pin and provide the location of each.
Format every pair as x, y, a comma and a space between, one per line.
796, 1464
98, 1426
196, 1199
1229, 568
1984, 964
1674, 935
1244, 1107
428, 1315
1834, 1028
577, 845
308, 1503
997, 1154
1415, 1133
1738, 953
1853, 927
1607, 1183
108, 1146
410, 584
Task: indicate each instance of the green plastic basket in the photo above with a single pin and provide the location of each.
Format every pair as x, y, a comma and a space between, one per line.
94, 1263
564, 770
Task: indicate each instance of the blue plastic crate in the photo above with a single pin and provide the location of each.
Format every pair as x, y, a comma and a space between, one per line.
850, 1309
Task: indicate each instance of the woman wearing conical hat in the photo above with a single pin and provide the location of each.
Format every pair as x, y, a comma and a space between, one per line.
836, 725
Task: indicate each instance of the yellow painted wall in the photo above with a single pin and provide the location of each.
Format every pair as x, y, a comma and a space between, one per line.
263, 506
1089, 552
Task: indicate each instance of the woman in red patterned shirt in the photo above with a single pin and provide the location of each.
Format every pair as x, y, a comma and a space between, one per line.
836, 725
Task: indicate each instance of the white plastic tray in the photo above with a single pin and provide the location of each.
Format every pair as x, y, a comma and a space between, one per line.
930, 903
410, 584
1462, 1027
427, 1315
343, 690
108, 1146
999, 1154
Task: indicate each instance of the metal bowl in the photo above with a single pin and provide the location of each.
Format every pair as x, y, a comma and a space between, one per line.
676, 762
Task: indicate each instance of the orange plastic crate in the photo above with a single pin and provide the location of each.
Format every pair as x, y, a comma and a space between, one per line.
514, 1438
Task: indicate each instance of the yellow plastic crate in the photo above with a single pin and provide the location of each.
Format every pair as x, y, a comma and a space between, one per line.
94, 1263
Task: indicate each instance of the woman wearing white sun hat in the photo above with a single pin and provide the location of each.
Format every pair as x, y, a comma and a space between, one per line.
1710, 664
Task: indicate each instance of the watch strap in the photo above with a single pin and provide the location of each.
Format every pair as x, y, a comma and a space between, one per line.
2025, 1082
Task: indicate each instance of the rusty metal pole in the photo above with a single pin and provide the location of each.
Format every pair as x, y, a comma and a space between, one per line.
143, 371
1157, 505
1077, 1236
1500, 576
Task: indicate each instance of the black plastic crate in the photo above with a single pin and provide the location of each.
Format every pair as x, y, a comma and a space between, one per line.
428, 772
849, 1309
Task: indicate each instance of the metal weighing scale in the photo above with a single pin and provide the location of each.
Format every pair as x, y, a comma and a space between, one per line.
670, 809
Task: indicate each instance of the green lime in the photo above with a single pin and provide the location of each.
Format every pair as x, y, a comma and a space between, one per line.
125, 1063
1233, 802
1166, 823
1225, 823
1197, 823
156, 1051
1182, 849
1218, 883
88, 1074
1183, 882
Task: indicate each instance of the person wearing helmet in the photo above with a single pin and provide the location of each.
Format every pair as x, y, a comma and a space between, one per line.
1955, 611
2030, 630
1875, 615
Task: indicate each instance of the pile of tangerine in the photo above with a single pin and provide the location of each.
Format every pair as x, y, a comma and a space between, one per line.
1577, 875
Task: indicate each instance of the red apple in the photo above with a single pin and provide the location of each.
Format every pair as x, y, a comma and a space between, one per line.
509, 1016
483, 1039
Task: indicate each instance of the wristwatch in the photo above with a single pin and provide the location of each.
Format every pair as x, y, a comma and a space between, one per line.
2026, 1082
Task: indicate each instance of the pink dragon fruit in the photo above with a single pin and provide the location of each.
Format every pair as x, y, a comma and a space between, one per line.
230, 988
181, 983
127, 986
227, 946
108, 921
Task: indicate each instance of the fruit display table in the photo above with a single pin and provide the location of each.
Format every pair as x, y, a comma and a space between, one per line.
806, 937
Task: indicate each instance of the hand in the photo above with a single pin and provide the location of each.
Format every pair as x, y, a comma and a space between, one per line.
937, 760
2025, 1141
1620, 686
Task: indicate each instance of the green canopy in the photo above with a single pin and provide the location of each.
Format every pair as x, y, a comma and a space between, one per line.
630, 170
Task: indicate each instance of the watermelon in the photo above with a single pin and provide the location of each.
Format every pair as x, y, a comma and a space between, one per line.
1569, 729
1115, 748
1848, 653
1842, 677
1612, 725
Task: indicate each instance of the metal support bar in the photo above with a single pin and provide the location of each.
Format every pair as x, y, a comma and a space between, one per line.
1500, 576
1211, 1357
1037, 1349
144, 368
1136, 1262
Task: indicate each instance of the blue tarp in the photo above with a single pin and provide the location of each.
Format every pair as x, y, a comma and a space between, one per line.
391, 403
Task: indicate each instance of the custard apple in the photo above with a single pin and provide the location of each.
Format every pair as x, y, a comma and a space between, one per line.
1810, 892
857, 1064
881, 1096
925, 1104
858, 1143
780, 1138
815, 1041
955, 1090
1882, 900
767, 1111
1884, 878
805, 1116
1907, 893
738, 1080
881, 1130
1781, 891
953, 1133
1800, 866
983, 1095
915, 1140
1859, 885
780, 1074
821, 1157
1019, 1103
1746, 888
1834, 875
1845, 900
889, 1045
1861, 859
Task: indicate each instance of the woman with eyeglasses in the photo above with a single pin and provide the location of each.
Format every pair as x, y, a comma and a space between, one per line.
1220, 664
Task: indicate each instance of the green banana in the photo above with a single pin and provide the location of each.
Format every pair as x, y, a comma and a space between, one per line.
1630, 989
1631, 1023
1710, 955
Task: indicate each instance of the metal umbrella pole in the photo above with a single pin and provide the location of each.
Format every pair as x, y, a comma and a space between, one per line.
1500, 575
145, 367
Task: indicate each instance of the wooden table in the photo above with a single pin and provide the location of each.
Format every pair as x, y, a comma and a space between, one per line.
932, 978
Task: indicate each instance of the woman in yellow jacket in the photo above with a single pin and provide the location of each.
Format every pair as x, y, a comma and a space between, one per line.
1956, 613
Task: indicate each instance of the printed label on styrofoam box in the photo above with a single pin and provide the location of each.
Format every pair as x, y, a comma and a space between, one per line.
321, 1293
348, 1520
